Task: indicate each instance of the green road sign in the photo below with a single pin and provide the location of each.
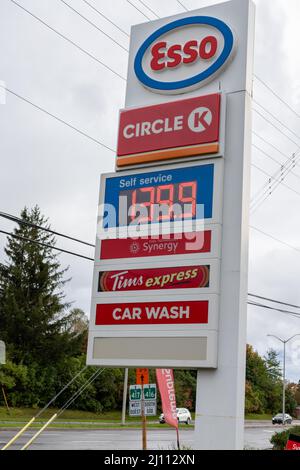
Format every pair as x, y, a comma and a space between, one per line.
135, 392
150, 392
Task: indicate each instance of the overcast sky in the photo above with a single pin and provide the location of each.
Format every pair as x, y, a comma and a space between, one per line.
43, 162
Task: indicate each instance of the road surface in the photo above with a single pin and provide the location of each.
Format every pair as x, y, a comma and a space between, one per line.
256, 437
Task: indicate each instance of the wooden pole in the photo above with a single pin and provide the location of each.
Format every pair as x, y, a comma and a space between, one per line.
144, 429
5, 399
178, 442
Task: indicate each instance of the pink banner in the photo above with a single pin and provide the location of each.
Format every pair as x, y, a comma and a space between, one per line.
165, 380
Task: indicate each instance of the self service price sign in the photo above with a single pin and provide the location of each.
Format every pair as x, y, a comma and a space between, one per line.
168, 197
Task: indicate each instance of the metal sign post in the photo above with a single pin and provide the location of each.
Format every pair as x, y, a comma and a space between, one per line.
2, 352
144, 423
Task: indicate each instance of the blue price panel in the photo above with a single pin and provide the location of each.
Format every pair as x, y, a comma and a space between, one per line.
160, 196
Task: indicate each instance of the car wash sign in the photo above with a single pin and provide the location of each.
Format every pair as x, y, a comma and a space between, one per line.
184, 54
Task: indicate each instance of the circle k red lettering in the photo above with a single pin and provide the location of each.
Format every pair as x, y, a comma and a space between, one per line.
164, 56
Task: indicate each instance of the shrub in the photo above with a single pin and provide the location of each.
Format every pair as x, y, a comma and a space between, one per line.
279, 440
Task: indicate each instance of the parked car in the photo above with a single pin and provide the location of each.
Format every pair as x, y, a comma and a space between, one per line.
278, 419
183, 416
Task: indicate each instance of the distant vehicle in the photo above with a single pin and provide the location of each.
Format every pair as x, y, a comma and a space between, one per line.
183, 416
278, 419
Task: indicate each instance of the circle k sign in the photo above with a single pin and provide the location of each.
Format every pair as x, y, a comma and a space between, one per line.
200, 119
184, 54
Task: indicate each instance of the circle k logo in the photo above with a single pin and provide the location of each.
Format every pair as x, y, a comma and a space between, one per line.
184, 55
200, 119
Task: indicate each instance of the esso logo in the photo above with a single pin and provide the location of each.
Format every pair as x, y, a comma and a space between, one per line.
184, 55
177, 54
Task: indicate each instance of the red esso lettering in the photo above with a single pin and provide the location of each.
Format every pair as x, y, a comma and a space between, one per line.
175, 55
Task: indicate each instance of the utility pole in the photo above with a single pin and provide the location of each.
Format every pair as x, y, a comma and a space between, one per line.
283, 371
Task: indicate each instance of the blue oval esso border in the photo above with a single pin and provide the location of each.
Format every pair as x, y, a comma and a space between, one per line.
181, 84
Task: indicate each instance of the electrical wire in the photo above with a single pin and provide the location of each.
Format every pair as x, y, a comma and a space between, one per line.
94, 25
183, 6
278, 181
276, 119
274, 238
45, 245
105, 17
289, 312
134, 6
68, 40
274, 160
153, 12
277, 96
269, 143
75, 395
269, 189
62, 121
273, 300
270, 186
278, 129
61, 391
18, 220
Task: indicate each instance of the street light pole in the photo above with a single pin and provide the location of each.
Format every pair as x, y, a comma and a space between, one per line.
283, 371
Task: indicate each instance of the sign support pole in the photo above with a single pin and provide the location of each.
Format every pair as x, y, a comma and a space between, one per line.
220, 421
144, 430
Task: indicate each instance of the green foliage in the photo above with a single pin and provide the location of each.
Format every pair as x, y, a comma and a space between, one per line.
264, 384
279, 440
34, 321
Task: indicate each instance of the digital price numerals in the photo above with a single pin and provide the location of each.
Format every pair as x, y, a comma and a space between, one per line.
168, 202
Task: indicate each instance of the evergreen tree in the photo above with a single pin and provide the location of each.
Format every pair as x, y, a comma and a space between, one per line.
273, 365
34, 321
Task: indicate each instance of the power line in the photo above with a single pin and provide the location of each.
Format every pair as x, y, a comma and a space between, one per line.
75, 395
134, 6
183, 6
270, 186
45, 245
274, 301
274, 238
282, 165
282, 173
18, 220
276, 119
277, 128
153, 12
105, 17
68, 40
57, 118
269, 143
289, 312
278, 181
94, 25
277, 96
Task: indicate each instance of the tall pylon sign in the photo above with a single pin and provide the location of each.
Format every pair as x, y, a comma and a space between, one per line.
171, 259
